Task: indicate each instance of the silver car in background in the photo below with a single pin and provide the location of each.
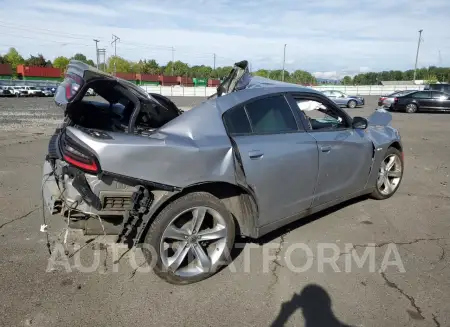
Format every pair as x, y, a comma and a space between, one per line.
254, 157
342, 99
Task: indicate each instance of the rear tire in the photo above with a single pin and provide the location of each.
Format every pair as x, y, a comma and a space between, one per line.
390, 175
411, 108
351, 104
214, 236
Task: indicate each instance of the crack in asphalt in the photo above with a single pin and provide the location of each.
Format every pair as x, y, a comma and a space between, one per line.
417, 240
106, 259
18, 218
276, 263
438, 324
133, 273
417, 315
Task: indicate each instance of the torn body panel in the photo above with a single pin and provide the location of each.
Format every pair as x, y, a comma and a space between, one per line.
382, 136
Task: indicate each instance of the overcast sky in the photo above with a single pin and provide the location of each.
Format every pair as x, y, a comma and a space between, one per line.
330, 38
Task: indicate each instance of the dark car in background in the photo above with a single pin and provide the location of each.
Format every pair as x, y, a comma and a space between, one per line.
386, 101
443, 87
422, 101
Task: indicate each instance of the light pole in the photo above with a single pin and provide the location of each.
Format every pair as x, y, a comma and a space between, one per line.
417, 55
284, 60
114, 40
96, 50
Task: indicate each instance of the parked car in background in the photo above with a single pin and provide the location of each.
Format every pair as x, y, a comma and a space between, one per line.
342, 99
33, 91
386, 101
90, 92
19, 91
5, 91
48, 91
443, 87
422, 101
271, 153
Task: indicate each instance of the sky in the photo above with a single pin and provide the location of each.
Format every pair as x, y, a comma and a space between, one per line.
330, 38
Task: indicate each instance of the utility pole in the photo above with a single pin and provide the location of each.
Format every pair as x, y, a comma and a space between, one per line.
114, 40
96, 50
284, 60
173, 58
214, 69
440, 58
100, 53
417, 55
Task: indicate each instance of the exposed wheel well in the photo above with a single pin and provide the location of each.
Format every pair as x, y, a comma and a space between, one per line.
236, 199
397, 146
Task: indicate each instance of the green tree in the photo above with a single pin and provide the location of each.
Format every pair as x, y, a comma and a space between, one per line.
2, 60
119, 64
263, 73
81, 57
13, 58
179, 68
61, 63
347, 80
36, 61
302, 77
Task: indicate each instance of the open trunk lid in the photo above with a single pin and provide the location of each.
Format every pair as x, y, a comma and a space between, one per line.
80, 77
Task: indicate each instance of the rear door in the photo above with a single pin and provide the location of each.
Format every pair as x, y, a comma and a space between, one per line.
423, 99
279, 158
345, 154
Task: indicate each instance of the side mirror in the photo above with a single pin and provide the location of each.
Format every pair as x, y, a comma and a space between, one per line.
359, 123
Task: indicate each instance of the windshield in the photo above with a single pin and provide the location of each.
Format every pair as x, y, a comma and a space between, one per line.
32, 88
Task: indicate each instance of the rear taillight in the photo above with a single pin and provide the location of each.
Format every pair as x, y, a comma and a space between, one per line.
395, 100
78, 156
73, 83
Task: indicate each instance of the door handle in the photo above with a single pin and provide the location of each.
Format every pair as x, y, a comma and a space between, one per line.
255, 154
325, 148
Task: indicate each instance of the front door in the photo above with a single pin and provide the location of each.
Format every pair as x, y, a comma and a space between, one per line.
345, 160
345, 154
279, 158
441, 101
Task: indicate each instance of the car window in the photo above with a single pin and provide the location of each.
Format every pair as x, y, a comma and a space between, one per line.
236, 121
319, 116
421, 95
439, 95
271, 115
327, 93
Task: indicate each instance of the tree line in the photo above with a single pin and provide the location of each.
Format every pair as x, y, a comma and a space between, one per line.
179, 68
430, 74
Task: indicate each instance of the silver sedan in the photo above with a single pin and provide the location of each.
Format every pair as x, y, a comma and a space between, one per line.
254, 157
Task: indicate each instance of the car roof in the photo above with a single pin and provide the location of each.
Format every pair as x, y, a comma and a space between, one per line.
258, 86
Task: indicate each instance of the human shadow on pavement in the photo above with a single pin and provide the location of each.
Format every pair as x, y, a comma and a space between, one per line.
315, 304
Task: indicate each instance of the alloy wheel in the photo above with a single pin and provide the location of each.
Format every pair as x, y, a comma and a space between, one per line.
411, 108
193, 242
390, 174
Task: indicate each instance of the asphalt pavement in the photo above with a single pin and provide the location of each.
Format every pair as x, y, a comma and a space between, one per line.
260, 288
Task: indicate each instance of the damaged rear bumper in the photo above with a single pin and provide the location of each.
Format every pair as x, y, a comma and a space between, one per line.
50, 190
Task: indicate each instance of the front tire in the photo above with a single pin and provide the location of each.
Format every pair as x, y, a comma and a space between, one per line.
190, 239
351, 104
390, 175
